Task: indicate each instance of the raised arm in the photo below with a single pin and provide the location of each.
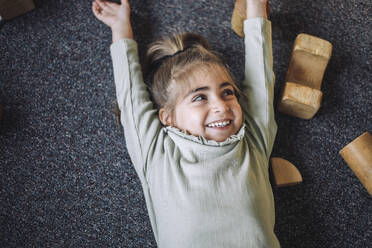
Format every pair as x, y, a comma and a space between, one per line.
258, 85
138, 116
116, 16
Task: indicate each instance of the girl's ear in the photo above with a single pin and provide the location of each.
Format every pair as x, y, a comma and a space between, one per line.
165, 117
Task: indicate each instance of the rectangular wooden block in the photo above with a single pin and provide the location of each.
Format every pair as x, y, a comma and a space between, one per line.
13, 8
299, 100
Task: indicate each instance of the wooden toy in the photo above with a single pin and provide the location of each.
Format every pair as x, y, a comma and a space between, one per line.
301, 95
12, 8
358, 155
238, 17
284, 173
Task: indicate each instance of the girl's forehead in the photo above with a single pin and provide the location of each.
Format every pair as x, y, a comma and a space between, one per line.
205, 74
196, 77
217, 75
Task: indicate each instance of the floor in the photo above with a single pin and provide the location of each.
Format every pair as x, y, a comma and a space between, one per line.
66, 179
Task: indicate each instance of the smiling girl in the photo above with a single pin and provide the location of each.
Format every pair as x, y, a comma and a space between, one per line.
201, 147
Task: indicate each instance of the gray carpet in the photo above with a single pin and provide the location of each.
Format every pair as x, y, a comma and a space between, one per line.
66, 179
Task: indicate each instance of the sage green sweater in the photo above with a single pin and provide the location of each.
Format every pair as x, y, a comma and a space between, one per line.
203, 193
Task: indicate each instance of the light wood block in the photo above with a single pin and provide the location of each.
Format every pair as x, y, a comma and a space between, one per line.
358, 155
13, 8
238, 17
300, 100
284, 173
309, 59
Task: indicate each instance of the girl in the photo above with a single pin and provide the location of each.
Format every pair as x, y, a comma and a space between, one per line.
202, 154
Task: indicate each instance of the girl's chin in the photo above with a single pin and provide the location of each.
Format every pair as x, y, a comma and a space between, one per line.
219, 138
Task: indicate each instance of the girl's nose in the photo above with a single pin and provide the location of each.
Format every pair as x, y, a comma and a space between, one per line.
220, 105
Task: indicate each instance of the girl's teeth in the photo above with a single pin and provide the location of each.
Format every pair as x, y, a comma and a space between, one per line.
219, 124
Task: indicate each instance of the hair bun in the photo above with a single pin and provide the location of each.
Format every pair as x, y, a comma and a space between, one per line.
169, 46
192, 39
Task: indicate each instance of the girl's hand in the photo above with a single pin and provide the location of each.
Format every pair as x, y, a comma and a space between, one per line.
116, 16
256, 8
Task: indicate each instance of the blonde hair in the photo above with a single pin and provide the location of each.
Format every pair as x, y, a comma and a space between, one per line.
172, 62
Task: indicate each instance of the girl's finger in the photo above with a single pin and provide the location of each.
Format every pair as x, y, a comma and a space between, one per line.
102, 4
109, 7
95, 9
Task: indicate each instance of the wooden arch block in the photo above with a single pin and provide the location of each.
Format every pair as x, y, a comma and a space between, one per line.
284, 173
238, 17
301, 95
358, 155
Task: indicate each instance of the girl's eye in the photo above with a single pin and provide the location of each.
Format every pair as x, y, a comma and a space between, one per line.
228, 92
199, 98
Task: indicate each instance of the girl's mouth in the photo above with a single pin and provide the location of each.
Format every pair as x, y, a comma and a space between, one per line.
220, 124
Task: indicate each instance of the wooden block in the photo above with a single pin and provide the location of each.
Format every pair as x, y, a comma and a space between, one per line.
299, 100
238, 17
284, 173
309, 60
13, 8
358, 155
310, 56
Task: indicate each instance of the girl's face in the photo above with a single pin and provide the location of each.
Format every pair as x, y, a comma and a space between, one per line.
209, 108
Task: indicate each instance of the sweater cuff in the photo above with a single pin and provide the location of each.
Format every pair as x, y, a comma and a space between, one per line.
254, 23
126, 44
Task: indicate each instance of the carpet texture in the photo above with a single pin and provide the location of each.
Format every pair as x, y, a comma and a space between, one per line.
66, 179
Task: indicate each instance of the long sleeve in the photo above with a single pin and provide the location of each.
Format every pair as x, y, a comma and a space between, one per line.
138, 116
258, 85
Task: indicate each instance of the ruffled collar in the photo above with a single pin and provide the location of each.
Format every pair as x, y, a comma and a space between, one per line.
202, 140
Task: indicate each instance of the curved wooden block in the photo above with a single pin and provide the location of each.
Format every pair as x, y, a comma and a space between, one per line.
238, 17
284, 173
310, 56
299, 100
358, 155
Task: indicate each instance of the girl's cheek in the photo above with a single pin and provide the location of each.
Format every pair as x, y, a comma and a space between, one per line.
195, 115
